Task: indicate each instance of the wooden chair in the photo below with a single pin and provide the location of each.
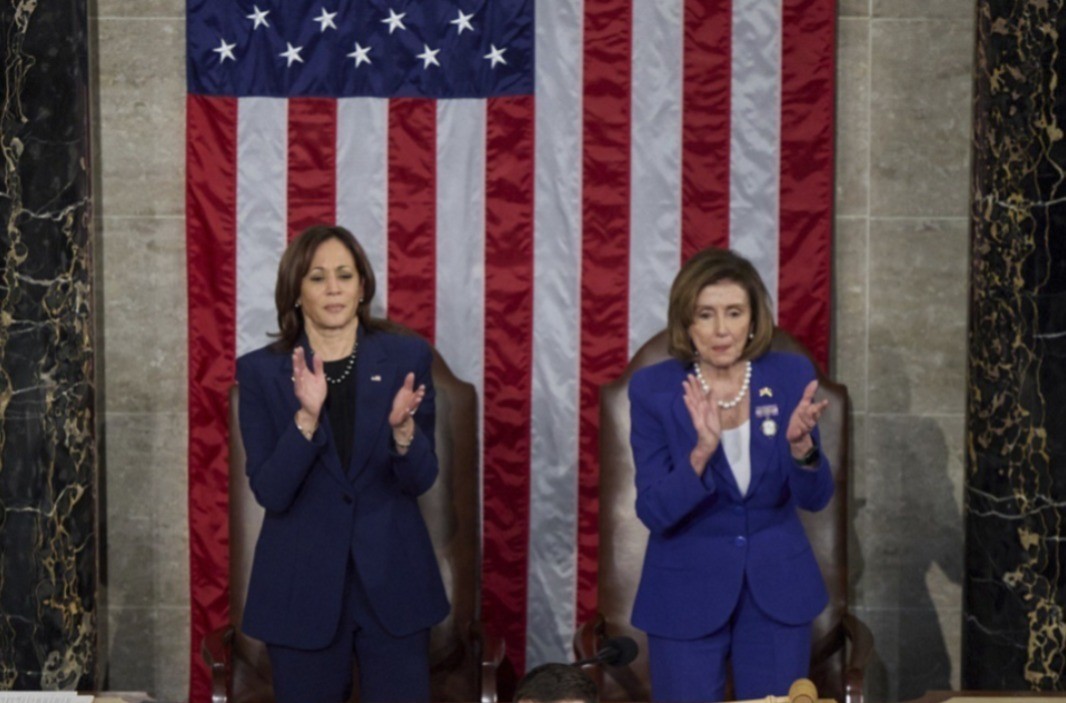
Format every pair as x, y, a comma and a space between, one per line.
464, 656
841, 644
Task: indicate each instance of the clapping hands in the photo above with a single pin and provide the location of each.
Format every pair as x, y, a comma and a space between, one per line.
803, 421
406, 401
309, 382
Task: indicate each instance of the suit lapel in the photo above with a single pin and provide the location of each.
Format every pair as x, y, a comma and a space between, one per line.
373, 398
766, 424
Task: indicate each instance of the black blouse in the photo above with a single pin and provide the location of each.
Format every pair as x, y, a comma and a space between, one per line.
340, 408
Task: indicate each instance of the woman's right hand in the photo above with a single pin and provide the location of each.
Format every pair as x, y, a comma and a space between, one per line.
309, 384
706, 421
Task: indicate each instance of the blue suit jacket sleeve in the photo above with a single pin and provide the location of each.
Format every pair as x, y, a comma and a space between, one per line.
668, 489
416, 471
277, 463
812, 487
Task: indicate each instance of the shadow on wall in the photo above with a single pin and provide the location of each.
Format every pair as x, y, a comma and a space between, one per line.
914, 547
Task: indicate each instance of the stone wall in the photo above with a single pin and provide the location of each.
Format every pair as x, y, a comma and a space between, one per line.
903, 165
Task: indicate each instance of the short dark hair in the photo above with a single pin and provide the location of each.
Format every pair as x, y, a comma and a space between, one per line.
549, 683
706, 268
294, 265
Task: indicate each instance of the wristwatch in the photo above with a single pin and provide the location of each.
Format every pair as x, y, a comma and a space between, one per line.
810, 458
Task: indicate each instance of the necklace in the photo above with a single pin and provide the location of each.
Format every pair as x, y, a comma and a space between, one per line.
726, 404
347, 367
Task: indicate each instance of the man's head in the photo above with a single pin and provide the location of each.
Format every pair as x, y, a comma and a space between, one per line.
556, 683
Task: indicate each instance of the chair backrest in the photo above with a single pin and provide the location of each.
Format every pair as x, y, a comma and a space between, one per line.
452, 515
623, 538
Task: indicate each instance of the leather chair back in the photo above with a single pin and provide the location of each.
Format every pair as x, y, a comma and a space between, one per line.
623, 538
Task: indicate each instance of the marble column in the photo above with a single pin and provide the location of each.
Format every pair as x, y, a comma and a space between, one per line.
48, 534
1014, 632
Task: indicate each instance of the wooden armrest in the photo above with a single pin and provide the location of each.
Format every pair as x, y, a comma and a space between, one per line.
217, 651
493, 652
587, 641
587, 638
862, 648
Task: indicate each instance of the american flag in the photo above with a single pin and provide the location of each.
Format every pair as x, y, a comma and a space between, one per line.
526, 177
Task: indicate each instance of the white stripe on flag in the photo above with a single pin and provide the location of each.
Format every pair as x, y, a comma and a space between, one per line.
551, 602
655, 203
460, 243
262, 140
362, 183
754, 150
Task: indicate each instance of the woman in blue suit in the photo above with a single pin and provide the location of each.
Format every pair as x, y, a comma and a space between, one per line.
725, 441
337, 418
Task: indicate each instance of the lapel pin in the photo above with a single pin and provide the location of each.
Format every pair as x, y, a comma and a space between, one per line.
375, 378
765, 392
769, 427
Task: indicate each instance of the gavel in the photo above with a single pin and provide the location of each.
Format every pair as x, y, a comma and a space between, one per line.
801, 691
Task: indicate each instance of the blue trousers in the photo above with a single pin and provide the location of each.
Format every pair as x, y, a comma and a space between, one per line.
766, 657
390, 668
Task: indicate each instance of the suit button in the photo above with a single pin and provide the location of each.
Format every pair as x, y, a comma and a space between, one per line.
347, 498
740, 540
738, 509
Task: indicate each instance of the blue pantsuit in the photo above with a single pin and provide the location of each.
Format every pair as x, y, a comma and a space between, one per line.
724, 572
326, 524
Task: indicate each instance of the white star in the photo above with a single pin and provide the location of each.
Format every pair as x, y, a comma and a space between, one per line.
428, 56
463, 22
259, 17
360, 54
291, 54
326, 20
394, 20
225, 51
496, 56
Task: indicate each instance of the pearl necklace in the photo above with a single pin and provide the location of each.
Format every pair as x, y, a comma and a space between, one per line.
347, 367
726, 404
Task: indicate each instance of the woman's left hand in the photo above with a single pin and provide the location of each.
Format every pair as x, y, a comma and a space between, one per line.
804, 419
406, 402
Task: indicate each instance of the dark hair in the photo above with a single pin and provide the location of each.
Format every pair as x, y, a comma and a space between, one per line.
706, 268
295, 263
548, 683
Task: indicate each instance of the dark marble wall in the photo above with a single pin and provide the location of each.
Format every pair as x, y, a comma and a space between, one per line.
1014, 632
48, 553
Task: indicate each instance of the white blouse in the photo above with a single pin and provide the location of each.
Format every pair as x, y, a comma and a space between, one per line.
737, 446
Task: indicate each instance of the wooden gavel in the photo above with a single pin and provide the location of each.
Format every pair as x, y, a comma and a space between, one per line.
801, 691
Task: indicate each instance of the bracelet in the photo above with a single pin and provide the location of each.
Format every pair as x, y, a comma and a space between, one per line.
307, 434
403, 445
809, 459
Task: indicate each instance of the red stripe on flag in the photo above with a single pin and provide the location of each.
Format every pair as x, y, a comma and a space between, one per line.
211, 255
312, 157
806, 236
705, 125
413, 213
508, 364
605, 255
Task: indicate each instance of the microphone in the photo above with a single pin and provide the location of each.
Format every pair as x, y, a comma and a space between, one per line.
616, 651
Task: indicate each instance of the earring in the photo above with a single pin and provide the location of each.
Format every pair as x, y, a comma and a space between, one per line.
297, 306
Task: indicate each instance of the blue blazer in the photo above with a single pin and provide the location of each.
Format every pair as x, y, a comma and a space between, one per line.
707, 541
318, 512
